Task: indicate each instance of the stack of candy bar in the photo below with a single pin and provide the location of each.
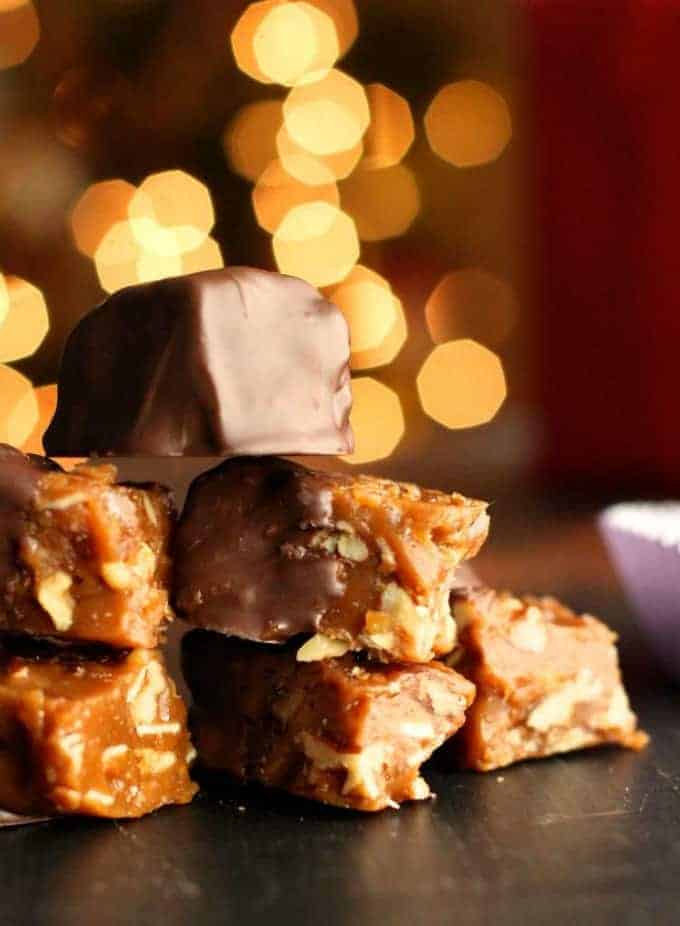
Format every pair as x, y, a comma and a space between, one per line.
333, 649
90, 721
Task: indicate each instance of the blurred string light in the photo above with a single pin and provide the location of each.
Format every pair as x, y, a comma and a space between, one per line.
26, 320
249, 141
368, 304
295, 43
461, 384
18, 407
377, 420
344, 16
19, 31
391, 131
329, 115
318, 242
383, 203
46, 399
315, 169
276, 193
137, 235
468, 123
473, 304
4, 300
388, 349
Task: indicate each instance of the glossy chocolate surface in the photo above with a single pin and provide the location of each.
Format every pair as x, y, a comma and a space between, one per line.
236, 361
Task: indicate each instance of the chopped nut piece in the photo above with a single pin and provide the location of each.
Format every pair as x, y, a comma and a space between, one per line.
54, 597
340, 731
321, 647
155, 761
547, 681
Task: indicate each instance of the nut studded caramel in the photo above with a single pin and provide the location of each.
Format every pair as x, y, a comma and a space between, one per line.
547, 681
82, 558
341, 731
90, 732
267, 549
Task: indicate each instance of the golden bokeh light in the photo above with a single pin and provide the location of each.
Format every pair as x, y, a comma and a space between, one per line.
383, 203
295, 43
315, 169
329, 115
391, 132
19, 32
46, 398
101, 206
367, 302
318, 242
171, 212
276, 193
473, 304
121, 260
377, 420
249, 141
26, 322
388, 350
206, 257
152, 266
18, 407
468, 123
344, 15
461, 384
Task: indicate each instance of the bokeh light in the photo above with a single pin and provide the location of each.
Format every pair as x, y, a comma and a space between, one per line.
318, 242
121, 260
26, 322
329, 115
249, 140
171, 212
388, 350
383, 203
4, 299
473, 304
276, 193
18, 407
344, 15
391, 132
461, 384
295, 43
46, 398
367, 302
315, 169
468, 123
207, 256
377, 420
19, 31
101, 206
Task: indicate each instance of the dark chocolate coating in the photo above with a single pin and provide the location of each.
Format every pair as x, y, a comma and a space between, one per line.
247, 513
20, 474
236, 361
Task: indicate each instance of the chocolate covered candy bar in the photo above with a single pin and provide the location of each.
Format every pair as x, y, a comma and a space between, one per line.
341, 731
267, 549
89, 731
230, 361
547, 681
80, 557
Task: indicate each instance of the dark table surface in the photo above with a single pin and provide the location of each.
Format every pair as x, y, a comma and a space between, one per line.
589, 838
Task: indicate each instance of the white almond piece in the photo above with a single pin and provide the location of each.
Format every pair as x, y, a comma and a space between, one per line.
321, 647
54, 597
556, 709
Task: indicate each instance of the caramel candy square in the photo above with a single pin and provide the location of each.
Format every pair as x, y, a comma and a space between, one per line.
345, 731
267, 549
89, 731
82, 558
547, 681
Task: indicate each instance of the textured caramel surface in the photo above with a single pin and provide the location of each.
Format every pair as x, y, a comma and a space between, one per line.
88, 559
547, 681
92, 732
342, 731
267, 549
